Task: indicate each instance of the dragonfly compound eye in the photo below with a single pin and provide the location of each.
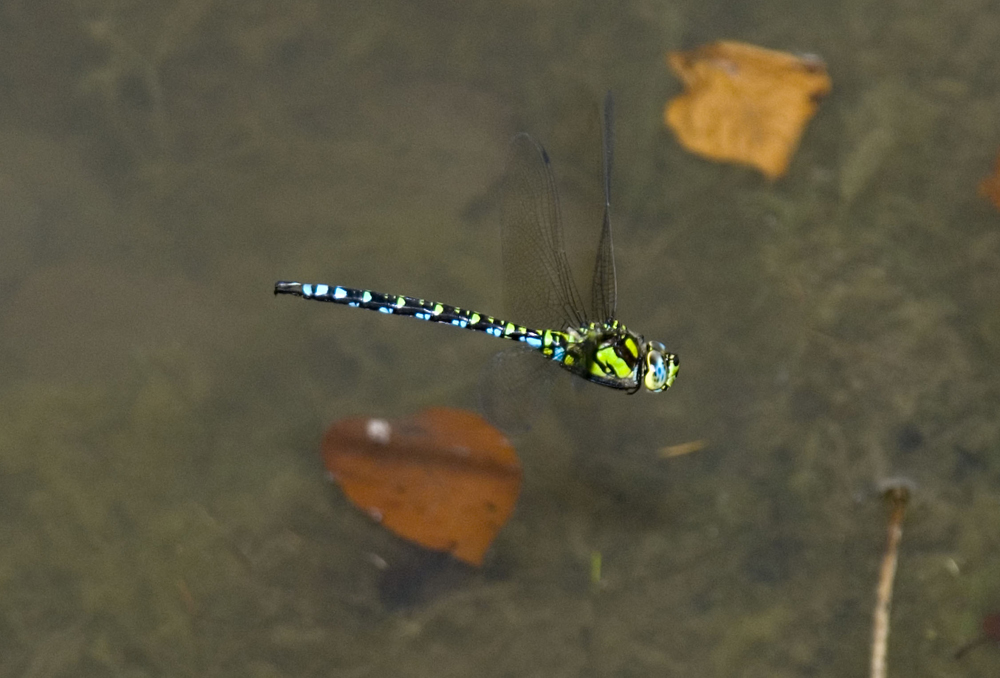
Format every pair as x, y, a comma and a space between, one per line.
661, 368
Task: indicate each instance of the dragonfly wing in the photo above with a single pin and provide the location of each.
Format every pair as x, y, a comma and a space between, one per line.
538, 285
515, 387
604, 287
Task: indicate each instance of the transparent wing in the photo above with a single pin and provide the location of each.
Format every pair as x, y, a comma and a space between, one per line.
604, 286
514, 389
538, 285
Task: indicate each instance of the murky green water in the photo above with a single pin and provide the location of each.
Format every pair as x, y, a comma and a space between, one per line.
163, 508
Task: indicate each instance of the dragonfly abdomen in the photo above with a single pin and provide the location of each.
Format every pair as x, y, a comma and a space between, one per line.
605, 353
430, 311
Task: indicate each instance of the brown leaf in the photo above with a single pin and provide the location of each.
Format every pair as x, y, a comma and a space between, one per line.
989, 187
744, 104
444, 478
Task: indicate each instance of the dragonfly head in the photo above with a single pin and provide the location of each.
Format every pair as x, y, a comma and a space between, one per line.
661, 367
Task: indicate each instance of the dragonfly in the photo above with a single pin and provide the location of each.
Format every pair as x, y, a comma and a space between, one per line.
539, 288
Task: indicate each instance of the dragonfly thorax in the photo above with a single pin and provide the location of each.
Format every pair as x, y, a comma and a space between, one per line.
612, 355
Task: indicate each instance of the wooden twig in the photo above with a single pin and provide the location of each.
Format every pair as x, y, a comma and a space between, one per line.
896, 492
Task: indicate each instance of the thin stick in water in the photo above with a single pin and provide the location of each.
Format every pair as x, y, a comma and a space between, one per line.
896, 492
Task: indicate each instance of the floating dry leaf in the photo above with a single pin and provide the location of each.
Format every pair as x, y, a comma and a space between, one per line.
989, 187
443, 478
745, 104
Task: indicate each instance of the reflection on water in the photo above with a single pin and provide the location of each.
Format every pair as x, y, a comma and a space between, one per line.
162, 501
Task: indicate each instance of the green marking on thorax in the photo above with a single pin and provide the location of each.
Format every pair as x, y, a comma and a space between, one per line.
607, 356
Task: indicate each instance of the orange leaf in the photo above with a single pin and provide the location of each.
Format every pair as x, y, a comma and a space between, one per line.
444, 478
744, 104
989, 187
